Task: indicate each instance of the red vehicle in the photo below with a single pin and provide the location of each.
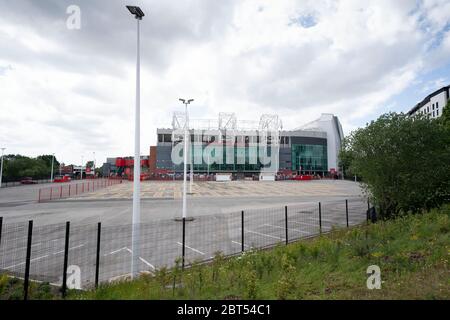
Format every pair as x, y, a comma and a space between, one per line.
62, 179
28, 180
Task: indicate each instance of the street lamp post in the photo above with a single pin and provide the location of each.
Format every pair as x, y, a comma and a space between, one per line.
208, 167
81, 176
185, 102
135, 247
51, 174
1, 168
93, 153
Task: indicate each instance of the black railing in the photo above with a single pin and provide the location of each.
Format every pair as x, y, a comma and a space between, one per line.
83, 256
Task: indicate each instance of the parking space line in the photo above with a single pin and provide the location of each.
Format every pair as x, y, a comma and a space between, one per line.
19, 264
147, 263
289, 229
193, 249
263, 234
305, 223
239, 244
76, 247
115, 251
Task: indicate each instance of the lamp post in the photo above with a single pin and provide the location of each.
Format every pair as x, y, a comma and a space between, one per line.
51, 174
135, 247
81, 176
185, 102
1, 168
93, 153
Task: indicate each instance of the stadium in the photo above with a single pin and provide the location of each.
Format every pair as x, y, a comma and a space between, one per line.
235, 146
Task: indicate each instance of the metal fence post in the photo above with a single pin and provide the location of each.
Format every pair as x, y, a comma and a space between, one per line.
346, 210
69, 190
97, 260
66, 256
368, 208
242, 231
60, 192
51, 191
39, 199
27, 261
1, 227
320, 218
184, 243
286, 223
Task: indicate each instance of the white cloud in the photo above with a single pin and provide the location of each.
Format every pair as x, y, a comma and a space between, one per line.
72, 92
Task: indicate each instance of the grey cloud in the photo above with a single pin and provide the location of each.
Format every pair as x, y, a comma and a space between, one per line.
107, 35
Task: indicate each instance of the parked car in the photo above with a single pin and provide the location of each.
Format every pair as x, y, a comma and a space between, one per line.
28, 180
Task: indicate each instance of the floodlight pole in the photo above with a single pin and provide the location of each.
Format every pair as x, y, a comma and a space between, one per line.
191, 164
1, 168
185, 152
135, 246
208, 165
93, 153
51, 174
81, 176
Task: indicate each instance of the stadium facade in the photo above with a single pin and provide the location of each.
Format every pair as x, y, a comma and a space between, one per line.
232, 146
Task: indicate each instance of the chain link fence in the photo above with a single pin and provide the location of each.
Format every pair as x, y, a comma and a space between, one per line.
85, 255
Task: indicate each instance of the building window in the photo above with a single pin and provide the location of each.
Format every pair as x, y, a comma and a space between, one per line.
437, 105
437, 112
167, 138
433, 113
433, 106
160, 138
428, 109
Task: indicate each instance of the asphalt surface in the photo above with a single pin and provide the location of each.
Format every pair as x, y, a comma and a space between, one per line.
217, 227
19, 204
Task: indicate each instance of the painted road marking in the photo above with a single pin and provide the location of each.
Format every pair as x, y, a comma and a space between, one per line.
131, 251
263, 234
300, 231
147, 263
76, 247
115, 251
193, 249
19, 264
239, 244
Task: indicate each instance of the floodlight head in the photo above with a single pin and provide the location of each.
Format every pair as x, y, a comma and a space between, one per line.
136, 11
182, 100
190, 100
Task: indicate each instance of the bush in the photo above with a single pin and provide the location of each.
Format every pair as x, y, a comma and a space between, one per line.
404, 162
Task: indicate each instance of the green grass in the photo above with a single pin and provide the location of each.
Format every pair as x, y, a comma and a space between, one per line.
412, 252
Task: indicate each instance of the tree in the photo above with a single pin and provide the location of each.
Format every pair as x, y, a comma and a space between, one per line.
17, 167
404, 162
445, 116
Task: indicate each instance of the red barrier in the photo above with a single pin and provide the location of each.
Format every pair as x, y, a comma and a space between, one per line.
64, 191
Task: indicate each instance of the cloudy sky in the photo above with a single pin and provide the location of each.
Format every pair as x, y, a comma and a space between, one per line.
72, 91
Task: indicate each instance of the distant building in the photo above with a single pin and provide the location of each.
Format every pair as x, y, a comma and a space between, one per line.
309, 149
433, 104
